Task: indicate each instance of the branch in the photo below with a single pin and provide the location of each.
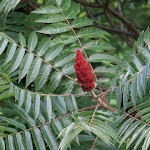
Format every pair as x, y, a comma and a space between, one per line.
112, 30
101, 102
114, 13
94, 143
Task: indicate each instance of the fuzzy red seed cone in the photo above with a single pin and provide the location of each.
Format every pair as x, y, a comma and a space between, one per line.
83, 72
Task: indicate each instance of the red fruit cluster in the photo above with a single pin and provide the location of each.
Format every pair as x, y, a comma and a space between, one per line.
84, 73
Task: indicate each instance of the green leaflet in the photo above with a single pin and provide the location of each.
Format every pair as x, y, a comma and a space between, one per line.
52, 9
14, 122
90, 32
104, 57
36, 106
48, 107
73, 11
125, 95
22, 40
23, 114
10, 52
4, 128
133, 92
3, 44
65, 39
55, 28
42, 76
50, 139
9, 142
27, 140
16, 61
2, 144
51, 18
62, 101
18, 141
146, 35
21, 97
43, 46
103, 69
25, 65
68, 68
56, 104
98, 46
38, 139
64, 59
53, 52
81, 22
28, 102
46, 10
33, 70
54, 81
32, 41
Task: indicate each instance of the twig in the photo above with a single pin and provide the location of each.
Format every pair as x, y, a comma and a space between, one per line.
100, 100
94, 143
98, 105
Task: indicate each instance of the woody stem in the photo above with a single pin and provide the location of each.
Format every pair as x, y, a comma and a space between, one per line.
102, 104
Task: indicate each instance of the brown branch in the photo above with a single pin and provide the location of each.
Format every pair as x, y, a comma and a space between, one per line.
100, 100
94, 143
105, 28
114, 13
112, 30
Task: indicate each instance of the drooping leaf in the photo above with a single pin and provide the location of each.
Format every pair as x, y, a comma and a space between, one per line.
22, 40
43, 46
48, 107
125, 96
13, 122
32, 41
18, 141
10, 52
17, 59
36, 106
33, 70
21, 97
62, 60
139, 87
3, 44
53, 52
133, 92
27, 140
42, 76
25, 65
50, 139
2, 144
38, 139
54, 81
28, 102
9, 142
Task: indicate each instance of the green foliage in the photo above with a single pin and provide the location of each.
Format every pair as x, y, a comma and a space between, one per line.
39, 94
